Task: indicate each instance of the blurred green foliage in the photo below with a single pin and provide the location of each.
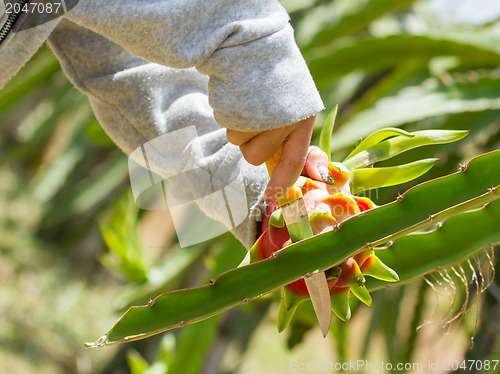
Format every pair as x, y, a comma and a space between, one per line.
74, 249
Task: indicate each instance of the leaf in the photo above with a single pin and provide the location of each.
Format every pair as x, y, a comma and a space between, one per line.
296, 5
168, 274
376, 138
125, 254
356, 20
277, 219
42, 69
394, 146
96, 133
136, 363
373, 54
362, 294
439, 199
92, 191
288, 305
326, 132
284, 316
369, 178
194, 342
377, 269
431, 98
340, 304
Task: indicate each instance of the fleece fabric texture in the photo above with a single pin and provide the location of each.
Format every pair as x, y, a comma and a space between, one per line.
156, 71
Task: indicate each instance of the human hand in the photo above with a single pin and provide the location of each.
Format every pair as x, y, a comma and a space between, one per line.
257, 147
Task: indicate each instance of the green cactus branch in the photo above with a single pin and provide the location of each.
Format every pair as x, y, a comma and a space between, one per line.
419, 207
447, 245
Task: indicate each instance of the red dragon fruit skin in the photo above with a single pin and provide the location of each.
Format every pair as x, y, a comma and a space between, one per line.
327, 205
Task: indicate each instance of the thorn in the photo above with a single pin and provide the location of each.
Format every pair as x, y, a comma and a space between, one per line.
99, 343
245, 300
390, 243
431, 217
337, 227
463, 168
368, 245
181, 323
308, 275
439, 225
400, 197
274, 255
126, 339
211, 282
151, 302
493, 189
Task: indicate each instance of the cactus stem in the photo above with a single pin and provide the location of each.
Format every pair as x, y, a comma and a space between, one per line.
151, 302
471, 204
463, 168
400, 197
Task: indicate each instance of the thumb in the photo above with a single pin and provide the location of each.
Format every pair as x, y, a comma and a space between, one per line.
316, 166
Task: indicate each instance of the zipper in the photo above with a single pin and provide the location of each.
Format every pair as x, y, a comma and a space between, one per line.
11, 20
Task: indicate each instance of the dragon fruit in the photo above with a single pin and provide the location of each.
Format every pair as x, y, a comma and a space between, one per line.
327, 205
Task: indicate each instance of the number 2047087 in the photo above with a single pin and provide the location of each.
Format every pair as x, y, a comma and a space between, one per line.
33, 7
471, 365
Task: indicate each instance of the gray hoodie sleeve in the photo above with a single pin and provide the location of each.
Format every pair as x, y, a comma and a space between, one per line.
159, 77
161, 117
258, 79
156, 71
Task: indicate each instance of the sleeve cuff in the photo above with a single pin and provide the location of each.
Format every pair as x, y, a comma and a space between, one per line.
261, 85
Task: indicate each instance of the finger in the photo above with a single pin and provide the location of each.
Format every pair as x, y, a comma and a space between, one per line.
261, 147
240, 137
316, 166
292, 161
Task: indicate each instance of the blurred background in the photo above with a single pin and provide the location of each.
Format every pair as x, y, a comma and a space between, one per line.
75, 251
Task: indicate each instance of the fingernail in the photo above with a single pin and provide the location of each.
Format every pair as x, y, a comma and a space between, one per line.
268, 201
325, 175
